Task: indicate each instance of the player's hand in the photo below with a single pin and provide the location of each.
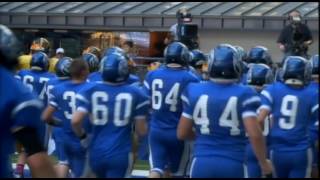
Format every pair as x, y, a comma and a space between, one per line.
266, 167
84, 141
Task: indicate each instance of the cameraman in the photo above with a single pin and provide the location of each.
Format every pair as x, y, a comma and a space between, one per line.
295, 37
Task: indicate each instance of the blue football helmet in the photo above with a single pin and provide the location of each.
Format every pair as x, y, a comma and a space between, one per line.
62, 67
224, 63
113, 50
259, 75
315, 65
296, 68
178, 53
198, 58
9, 47
241, 52
115, 68
39, 61
259, 54
92, 60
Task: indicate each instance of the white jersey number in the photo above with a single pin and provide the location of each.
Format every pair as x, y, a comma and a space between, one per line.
171, 98
70, 96
200, 115
100, 109
289, 111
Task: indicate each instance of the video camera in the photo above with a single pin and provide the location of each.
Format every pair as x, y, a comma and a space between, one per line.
187, 32
297, 48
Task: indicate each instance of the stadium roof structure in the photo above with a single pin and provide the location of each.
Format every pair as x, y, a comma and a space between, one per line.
154, 15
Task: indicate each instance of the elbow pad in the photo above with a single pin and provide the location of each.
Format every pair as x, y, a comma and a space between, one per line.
29, 138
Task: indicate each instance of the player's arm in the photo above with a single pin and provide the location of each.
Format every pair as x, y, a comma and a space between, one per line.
185, 125
258, 143
26, 117
141, 126
253, 128
266, 105
185, 131
140, 114
76, 123
47, 116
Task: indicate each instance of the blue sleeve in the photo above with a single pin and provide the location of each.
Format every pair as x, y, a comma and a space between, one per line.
147, 84
19, 75
143, 104
54, 97
267, 98
82, 100
250, 103
27, 109
187, 108
194, 78
315, 106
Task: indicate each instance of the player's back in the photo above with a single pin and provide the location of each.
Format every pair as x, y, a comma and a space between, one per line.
36, 81
292, 109
165, 86
95, 77
218, 113
63, 97
112, 108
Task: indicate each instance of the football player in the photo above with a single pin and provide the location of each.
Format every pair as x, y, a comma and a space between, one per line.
92, 60
198, 59
62, 70
314, 126
35, 79
259, 54
222, 111
243, 57
114, 106
63, 100
165, 86
259, 75
96, 76
293, 105
20, 114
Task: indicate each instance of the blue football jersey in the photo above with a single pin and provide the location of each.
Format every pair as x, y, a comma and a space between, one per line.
164, 86
314, 124
63, 98
112, 108
217, 111
18, 108
57, 131
36, 81
95, 77
292, 110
